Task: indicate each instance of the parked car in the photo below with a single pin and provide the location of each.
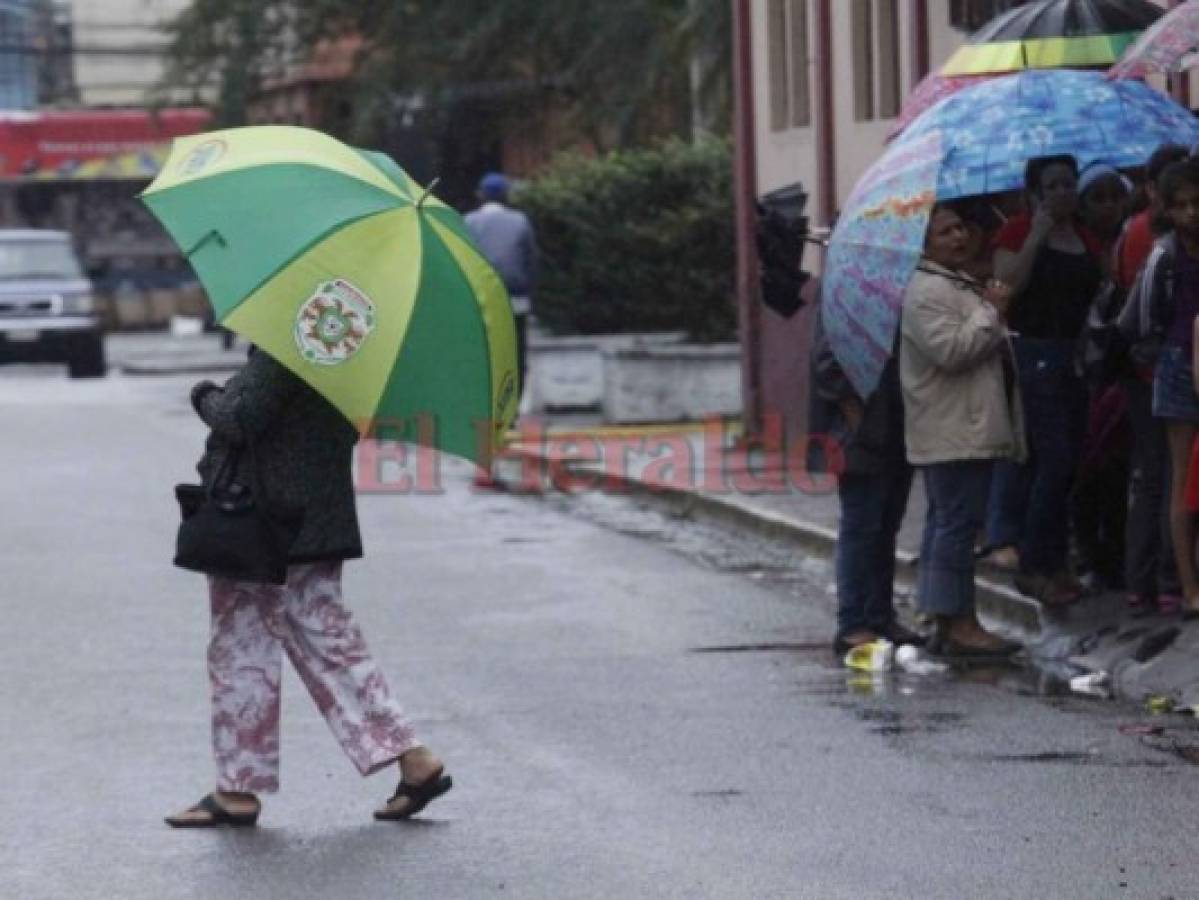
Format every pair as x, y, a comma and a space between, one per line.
47, 303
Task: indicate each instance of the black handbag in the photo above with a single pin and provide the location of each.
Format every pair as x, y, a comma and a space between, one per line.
229, 529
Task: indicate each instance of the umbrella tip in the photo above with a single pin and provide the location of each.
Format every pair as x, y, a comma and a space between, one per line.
428, 191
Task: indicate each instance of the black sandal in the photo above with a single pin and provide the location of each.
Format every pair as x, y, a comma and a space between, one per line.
418, 795
217, 816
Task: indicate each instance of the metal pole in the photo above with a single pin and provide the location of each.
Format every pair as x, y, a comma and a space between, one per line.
746, 190
918, 15
826, 121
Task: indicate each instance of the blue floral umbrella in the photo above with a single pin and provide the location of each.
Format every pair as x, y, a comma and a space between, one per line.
872, 253
972, 143
989, 131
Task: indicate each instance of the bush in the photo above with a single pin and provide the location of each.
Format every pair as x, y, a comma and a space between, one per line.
637, 241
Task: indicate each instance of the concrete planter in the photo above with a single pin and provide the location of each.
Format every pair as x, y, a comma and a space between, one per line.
567, 373
681, 382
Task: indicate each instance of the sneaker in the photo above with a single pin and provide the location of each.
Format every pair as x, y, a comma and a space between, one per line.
899, 635
1140, 605
1168, 604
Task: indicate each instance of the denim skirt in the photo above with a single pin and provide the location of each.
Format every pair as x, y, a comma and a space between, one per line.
1174, 394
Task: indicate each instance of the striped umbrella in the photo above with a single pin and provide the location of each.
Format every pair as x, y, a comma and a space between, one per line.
345, 270
1054, 34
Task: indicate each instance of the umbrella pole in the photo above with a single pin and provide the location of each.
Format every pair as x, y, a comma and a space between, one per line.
428, 191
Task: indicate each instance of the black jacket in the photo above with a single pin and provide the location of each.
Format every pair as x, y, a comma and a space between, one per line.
878, 441
304, 448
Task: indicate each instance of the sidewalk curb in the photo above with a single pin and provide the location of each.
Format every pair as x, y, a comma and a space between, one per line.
175, 367
996, 601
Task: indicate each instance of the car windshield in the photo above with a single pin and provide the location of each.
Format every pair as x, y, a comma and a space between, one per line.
37, 259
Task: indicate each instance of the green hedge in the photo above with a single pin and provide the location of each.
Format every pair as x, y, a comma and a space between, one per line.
637, 241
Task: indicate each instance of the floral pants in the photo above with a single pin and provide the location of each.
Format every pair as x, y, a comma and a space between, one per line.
251, 625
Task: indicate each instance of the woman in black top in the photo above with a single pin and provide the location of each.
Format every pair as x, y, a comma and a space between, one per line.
1053, 266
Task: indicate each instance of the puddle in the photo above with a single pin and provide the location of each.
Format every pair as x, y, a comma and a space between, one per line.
1069, 758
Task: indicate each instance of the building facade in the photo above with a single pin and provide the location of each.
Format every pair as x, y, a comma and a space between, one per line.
119, 48
829, 77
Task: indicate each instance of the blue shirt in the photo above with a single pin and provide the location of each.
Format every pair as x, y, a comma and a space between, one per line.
506, 239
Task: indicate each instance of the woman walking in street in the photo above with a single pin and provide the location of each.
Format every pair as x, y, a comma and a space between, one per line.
1053, 267
302, 449
961, 411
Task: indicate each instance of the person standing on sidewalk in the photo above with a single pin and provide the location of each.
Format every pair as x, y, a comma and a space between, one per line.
1053, 266
505, 237
303, 449
1099, 500
962, 412
1149, 572
873, 483
1165, 305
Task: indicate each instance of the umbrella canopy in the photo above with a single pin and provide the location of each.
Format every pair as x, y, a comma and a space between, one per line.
972, 143
991, 130
931, 90
1170, 45
1054, 34
872, 253
341, 267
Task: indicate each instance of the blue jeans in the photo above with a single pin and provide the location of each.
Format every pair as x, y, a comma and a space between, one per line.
872, 508
1149, 550
1030, 502
957, 502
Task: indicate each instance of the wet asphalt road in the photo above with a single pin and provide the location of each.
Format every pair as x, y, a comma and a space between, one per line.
631, 706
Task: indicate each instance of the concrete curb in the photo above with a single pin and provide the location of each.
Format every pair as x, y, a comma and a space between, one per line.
202, 366
996, 601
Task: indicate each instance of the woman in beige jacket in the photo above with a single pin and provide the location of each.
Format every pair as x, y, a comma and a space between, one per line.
961, 410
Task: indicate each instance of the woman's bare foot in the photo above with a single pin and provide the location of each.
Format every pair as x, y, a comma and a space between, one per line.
235, 804
421, 774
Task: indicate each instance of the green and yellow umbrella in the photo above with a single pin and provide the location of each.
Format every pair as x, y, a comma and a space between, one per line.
345, 270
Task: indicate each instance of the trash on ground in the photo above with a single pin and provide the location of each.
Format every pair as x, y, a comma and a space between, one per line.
1159, 705
1141, 728
913, 661
876, 656
1093, 684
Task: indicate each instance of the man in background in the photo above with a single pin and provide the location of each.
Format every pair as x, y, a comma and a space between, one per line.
506, 238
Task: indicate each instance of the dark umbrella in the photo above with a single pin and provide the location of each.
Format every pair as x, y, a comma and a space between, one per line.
1051, 34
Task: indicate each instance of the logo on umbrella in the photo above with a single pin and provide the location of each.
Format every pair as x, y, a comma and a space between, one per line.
202, 156
333, 323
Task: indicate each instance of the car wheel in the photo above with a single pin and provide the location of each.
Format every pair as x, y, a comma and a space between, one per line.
87, 358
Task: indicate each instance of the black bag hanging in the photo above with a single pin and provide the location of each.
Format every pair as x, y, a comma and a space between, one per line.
229, 529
